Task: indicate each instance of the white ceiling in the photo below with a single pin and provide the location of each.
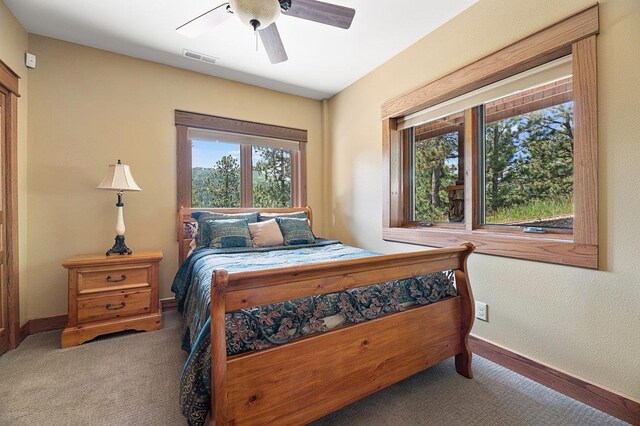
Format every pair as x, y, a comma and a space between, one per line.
323, 60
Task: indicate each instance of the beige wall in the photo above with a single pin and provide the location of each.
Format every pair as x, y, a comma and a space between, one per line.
582, 321
89, 108
13, 45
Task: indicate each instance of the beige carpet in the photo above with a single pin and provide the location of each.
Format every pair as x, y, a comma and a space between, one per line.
132, 379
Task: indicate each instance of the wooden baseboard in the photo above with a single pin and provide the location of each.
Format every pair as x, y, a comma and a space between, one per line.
593, 395
38, 325
169, 304
58, 322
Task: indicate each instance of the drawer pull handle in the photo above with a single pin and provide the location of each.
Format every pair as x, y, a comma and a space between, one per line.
113, 308
117, 280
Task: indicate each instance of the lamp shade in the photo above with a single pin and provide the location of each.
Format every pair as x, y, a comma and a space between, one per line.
118, 178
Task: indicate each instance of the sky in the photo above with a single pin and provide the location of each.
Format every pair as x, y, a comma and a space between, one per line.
205, 154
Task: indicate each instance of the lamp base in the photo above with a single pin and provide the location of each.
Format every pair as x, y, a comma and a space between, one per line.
119, 247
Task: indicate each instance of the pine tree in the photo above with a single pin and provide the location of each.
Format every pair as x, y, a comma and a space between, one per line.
223, 183
546, 171
529, 158
272, 186
500, 150
433, 175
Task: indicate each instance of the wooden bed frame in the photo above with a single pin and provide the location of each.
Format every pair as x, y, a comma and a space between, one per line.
313, 376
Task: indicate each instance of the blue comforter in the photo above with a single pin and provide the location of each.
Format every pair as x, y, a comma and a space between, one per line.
265, 326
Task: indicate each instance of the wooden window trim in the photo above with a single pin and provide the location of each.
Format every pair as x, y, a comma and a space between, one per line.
223, 124
574, 35
185, 120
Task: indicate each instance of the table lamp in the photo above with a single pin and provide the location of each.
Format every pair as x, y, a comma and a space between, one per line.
118, 178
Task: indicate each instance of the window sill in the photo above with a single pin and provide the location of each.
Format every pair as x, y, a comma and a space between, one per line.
550, 248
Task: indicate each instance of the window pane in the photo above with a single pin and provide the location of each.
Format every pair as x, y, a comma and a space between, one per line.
215, 174
271, 177
438, 170
529, 157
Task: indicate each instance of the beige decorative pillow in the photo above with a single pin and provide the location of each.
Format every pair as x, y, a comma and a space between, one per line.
266, 234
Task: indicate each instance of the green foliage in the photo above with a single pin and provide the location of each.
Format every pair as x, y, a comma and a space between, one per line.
534, 210
217, 187
220, 186
529, 159
500, 149
528, 168
433, 175
272, 180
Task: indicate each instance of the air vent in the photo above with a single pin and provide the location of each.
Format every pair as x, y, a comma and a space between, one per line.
199, 56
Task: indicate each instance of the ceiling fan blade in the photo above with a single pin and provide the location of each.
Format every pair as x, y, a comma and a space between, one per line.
273, 44
204, 22
325, 13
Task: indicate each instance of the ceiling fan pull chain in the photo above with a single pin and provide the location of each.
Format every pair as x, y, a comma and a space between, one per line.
255, 32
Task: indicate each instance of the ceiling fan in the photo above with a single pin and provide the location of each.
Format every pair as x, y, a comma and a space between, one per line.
261, 16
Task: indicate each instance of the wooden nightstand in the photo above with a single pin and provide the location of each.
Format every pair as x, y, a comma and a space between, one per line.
112, 293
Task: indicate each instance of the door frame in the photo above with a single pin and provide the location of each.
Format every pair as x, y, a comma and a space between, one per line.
9, 84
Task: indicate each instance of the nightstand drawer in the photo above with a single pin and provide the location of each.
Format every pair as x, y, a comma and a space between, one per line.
114, 306
94, 280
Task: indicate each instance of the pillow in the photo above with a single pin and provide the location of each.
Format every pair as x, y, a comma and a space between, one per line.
202, 237
268, 216
227, 233
266, 234
295, 231
196, 215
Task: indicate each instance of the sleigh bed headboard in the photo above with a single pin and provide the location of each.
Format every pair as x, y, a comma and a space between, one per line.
187, 225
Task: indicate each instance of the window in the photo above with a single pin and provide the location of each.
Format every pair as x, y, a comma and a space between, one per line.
215, 174
437, 183
271, 177
502, 153
220, 168
528, 158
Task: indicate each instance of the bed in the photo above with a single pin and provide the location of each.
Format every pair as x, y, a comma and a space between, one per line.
289, 335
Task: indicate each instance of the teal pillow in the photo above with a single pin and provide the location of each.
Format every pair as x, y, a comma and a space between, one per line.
227, 233
203, 239
268, 216
295, 231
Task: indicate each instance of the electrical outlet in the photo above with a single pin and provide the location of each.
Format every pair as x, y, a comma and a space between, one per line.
481, 311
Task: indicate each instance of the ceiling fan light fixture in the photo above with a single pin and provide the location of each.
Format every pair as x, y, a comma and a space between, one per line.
257, 14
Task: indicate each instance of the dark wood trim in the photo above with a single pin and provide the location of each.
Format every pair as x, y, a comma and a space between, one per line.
39, 325
8, 78
24, 331
183, 148
302, 179
10, 166
223, 124
392, 203
546, 45
169, 304
246, 176
407, 146
591, 394
300, 182
541, 248
585, 145
471, 165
